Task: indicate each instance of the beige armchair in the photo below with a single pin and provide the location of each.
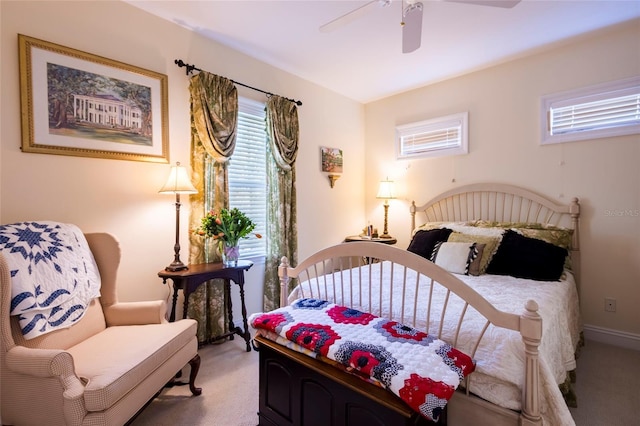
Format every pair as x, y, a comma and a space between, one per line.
102, 370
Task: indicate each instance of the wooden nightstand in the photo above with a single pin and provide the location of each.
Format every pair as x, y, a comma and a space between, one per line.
351, 238
367, 260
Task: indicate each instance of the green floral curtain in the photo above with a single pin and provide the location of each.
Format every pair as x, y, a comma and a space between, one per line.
282, 232
214, 119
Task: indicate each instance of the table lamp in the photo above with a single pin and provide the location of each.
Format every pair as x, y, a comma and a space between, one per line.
178, 183
386, 192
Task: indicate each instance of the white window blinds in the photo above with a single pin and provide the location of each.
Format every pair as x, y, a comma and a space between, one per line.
435, 137
247, 174
601, 111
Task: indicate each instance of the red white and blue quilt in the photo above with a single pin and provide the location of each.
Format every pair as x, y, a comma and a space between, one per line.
422, 370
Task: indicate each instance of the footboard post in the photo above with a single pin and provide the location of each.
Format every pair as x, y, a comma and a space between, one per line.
531, 331
284, 281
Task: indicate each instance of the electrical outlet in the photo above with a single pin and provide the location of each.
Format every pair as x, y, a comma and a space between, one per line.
609, 304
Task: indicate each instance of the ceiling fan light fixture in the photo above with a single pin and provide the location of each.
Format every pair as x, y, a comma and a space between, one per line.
411, 6
411, 22
411, 26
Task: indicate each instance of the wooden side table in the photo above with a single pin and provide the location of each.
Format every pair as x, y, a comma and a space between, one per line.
375, 240
188, 281
368, 260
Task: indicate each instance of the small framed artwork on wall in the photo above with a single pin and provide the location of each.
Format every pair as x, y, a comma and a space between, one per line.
331, 160
80, 104
331, 163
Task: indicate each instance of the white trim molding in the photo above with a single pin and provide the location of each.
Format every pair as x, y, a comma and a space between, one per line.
612, 337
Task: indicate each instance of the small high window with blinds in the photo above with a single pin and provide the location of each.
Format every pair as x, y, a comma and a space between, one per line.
248, 174
606, 110
433, 138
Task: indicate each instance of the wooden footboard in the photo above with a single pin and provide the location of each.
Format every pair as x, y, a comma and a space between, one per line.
335, 273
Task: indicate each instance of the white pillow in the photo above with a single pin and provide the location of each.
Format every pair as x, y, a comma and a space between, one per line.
454, 257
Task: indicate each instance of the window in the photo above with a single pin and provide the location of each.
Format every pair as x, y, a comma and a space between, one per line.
605, 110
434, 138
248, 174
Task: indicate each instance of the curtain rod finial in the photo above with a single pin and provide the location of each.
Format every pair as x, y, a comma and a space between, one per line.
180, 63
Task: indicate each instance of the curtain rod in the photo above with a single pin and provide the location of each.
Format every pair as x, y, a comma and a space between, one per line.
180, 63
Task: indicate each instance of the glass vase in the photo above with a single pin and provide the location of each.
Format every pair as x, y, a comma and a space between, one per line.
210, 248
230, 253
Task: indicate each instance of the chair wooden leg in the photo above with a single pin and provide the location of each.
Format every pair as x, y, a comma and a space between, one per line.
195, 367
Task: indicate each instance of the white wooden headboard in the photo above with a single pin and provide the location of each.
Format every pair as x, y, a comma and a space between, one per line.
502, 203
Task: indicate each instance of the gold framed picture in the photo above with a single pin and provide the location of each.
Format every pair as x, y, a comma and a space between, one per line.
76, 103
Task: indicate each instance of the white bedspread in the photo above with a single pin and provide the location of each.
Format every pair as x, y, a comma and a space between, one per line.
54, 276
499, 373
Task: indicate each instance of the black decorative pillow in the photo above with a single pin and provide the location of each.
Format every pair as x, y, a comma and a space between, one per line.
524, 257
423, 242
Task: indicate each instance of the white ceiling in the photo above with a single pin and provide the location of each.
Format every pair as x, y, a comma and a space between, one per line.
363, 59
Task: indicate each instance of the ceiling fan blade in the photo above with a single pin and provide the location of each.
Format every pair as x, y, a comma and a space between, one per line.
507, 4
412, 27
352, 16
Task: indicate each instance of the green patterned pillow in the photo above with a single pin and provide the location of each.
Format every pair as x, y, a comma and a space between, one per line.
556, 235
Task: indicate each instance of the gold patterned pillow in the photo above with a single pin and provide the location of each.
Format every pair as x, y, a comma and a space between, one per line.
490, 246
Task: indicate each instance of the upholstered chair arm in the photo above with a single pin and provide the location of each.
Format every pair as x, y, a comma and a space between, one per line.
40, 362
136, 313
51, 363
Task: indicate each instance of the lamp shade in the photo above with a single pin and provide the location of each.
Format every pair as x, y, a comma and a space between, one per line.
386, 190
178, 182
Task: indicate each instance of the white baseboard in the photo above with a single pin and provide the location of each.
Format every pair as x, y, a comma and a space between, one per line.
612, 337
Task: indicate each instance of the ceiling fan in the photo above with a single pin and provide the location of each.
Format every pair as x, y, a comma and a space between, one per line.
411, 22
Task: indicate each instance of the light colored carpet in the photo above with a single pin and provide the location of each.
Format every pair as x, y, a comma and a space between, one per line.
229, 380
607, 377
606, 386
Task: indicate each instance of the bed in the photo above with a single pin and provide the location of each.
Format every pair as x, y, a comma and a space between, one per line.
461, 281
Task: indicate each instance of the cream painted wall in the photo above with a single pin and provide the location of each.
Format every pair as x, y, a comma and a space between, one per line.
503, 104
121, 197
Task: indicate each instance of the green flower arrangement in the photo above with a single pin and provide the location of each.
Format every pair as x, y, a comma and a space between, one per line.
227, 225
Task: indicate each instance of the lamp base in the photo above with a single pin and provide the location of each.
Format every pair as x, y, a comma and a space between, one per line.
176, 266
386, 236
